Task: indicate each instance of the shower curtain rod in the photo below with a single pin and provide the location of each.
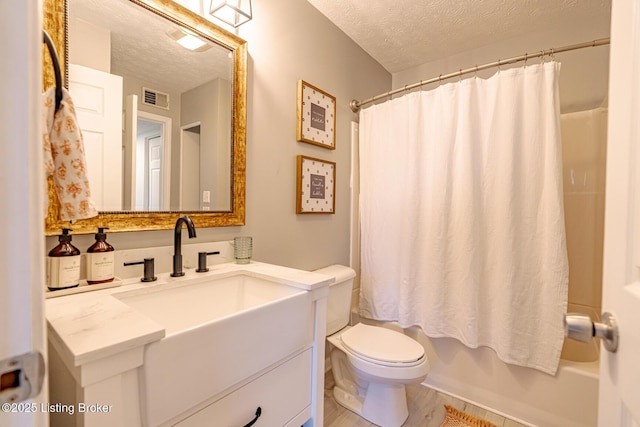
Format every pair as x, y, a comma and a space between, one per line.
355, 105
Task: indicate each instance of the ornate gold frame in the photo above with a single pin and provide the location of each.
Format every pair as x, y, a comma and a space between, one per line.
55, 18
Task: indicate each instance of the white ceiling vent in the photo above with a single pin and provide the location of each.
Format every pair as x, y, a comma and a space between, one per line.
155, 98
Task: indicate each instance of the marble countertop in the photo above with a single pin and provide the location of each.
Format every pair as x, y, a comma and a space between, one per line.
93, 325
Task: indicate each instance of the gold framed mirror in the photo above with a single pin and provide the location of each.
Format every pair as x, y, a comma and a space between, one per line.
132, 217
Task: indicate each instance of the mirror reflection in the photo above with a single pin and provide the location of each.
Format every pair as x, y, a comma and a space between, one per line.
155, 102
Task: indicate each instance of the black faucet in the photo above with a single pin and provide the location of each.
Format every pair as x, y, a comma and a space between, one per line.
177, 243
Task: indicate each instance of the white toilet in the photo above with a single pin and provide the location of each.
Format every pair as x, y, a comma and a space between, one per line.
370, 364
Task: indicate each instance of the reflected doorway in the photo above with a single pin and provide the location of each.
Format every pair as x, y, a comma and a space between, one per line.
146, 159
149, 165
152, 165
190, 167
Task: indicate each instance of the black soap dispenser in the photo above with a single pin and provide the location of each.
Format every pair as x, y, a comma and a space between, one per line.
63, 264
100, 260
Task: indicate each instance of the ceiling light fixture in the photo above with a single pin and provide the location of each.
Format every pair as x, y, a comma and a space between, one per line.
232, 12
188, 41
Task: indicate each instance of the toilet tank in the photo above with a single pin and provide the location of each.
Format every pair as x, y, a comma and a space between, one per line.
339, 301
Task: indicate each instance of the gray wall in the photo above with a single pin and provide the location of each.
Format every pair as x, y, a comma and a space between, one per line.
288, 40
208, 104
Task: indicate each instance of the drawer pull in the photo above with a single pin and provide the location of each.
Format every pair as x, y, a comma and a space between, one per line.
253, 421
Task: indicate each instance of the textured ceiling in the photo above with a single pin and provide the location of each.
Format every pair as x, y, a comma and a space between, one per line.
399, 34
402, 34
141, 48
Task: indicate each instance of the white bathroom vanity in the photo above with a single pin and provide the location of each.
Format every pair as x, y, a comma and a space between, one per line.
187, 351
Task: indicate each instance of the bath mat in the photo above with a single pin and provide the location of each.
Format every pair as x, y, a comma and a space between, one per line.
457, 418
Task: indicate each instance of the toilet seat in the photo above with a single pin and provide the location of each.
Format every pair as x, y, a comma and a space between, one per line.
382, 346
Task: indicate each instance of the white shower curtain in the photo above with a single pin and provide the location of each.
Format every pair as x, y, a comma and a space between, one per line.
462, 217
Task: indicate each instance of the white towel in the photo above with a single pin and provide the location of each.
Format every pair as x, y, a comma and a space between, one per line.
64, 158
462, 214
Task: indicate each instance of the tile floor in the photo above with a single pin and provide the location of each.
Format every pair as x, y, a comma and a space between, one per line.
426, 409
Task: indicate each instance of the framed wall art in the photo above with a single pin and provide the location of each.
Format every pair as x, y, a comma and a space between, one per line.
316, 116
316, 186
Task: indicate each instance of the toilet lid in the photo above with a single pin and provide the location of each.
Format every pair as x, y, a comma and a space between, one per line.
381, 344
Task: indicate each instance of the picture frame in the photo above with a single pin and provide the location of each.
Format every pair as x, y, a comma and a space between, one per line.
316, 186
316, 116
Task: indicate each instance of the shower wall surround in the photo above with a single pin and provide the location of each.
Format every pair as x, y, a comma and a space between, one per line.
584, 146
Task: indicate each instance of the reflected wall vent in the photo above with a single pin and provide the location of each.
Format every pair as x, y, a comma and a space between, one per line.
155, 98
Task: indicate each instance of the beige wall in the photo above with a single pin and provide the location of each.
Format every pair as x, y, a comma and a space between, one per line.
288, 40
89, 45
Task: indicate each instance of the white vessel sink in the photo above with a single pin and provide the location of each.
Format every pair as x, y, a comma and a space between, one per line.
219, 331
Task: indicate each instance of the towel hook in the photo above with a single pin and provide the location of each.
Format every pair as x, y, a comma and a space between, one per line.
56, 66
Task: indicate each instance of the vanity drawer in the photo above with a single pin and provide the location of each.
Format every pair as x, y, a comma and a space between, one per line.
283, 394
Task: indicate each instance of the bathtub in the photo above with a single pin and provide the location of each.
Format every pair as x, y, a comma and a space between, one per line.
528, 396
568, 399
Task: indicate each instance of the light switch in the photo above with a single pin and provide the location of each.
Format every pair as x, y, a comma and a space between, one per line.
206, 196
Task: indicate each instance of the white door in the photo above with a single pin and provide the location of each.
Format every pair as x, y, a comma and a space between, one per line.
152, 169
154, 189
98, 100
22, 324
620, 371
